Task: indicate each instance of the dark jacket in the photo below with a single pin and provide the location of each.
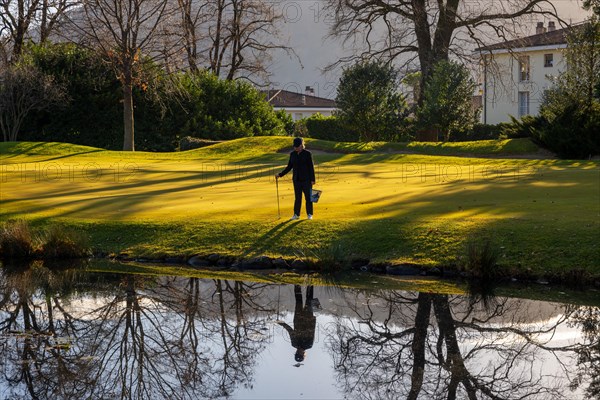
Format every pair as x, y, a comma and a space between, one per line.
302, 335
302, 165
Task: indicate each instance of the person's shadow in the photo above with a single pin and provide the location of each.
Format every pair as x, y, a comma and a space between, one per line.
302, 335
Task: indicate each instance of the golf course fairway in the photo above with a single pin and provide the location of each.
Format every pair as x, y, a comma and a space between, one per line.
380, 202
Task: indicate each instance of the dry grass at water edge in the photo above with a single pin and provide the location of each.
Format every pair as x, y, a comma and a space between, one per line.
19, 241
16, 240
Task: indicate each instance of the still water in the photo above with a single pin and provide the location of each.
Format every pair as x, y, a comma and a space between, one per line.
75, 335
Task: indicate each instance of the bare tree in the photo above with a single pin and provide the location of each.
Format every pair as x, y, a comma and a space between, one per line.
431, 346
24, 89
26, 19
43, 360
16, 17
176, 338
423, 32
588, 318
191, 16
232, 38
187, 338
125, 33
252, 27
51, 15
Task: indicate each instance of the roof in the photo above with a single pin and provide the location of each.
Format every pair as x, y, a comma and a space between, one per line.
550, 38
285, 98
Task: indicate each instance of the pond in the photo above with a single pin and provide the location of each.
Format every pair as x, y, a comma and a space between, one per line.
82, 335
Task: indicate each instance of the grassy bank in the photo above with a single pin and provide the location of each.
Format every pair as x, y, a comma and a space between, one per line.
378, 203
490, 148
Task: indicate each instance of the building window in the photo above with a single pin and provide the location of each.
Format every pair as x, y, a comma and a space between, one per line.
523, 103
523, 68
548, 60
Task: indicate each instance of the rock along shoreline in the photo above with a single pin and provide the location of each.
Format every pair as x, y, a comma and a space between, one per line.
574, 278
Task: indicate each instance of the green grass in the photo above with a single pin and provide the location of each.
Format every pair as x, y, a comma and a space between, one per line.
258, 146
379, 202
347, 280
508, 147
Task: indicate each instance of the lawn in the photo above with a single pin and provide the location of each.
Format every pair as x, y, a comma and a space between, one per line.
382, 202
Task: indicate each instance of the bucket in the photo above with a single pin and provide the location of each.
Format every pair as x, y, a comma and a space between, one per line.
315, 195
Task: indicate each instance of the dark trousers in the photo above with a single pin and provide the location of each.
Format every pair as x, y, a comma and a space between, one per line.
299, 188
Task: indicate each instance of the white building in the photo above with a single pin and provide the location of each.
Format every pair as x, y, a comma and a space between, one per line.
516, 73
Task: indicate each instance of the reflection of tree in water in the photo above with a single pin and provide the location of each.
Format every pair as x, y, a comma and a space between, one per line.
129, 340
39, 361
437, 346
588, 319
222, 332
166, 340
189, 338
154, 350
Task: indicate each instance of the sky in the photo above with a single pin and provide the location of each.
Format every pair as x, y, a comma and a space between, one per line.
305, 29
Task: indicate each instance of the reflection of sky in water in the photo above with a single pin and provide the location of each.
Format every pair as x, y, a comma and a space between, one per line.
254, 338
277, 377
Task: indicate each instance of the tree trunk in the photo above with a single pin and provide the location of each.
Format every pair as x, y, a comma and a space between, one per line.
423, 35
189, 28
216, 51
18, 45
4, 131
44, 31
455, 363
128, 137
419, 344
235, 39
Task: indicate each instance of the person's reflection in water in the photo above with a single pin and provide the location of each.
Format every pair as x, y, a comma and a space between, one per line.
302, 335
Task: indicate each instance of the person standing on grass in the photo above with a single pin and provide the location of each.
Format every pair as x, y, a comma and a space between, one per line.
303, 176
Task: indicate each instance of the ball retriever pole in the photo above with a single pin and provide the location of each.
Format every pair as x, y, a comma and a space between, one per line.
277, 186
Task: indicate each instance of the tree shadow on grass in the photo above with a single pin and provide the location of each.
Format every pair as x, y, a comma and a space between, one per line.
411, 223
122, 200
537, 222
30, 149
